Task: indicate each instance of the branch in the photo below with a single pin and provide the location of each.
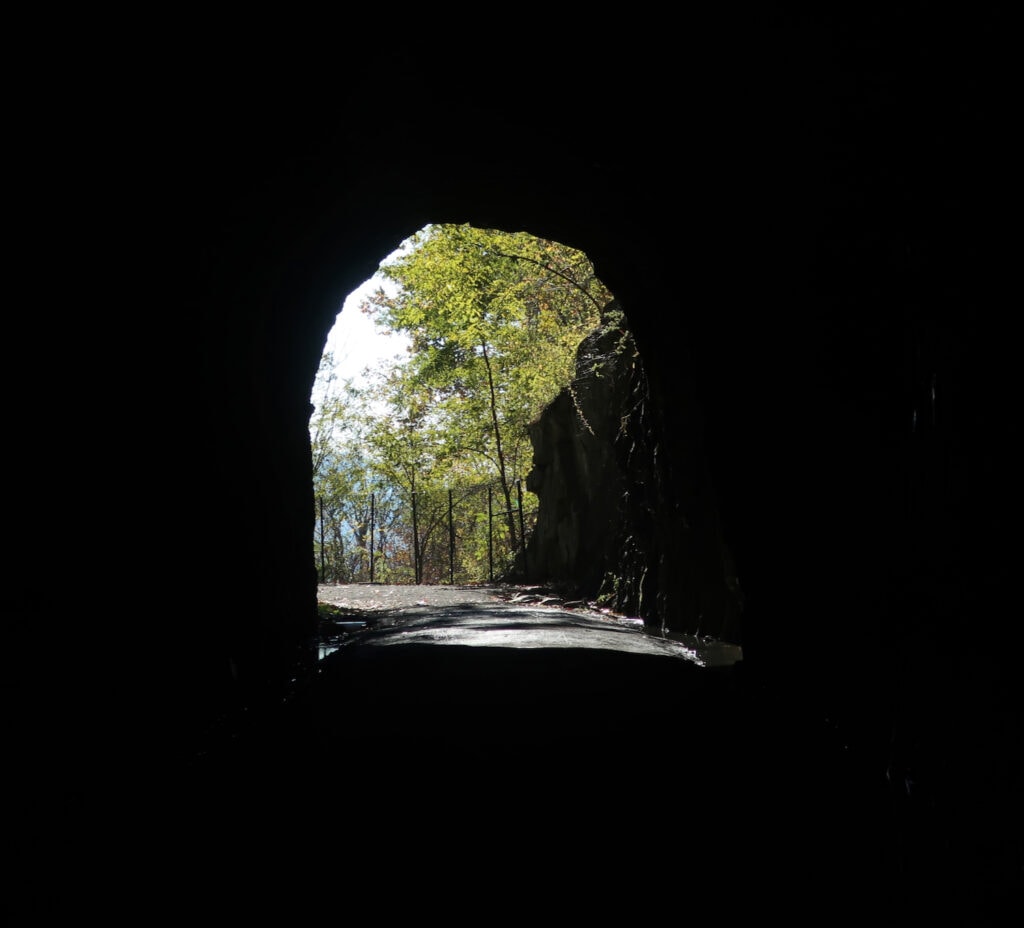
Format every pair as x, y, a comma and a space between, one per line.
556, 271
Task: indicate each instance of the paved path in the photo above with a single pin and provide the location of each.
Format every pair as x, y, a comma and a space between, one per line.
381, 596
438, 703
497, 616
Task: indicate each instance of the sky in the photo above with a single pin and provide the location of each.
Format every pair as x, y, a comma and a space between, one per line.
356, 341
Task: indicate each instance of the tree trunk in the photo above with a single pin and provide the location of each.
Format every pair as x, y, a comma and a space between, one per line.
505, 488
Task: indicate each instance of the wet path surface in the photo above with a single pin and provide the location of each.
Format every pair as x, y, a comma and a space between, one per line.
496, 681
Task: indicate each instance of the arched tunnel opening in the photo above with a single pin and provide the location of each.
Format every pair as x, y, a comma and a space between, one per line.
564, 411
806, 247
801, 431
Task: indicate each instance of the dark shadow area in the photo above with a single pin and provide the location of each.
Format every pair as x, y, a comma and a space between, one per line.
802, 216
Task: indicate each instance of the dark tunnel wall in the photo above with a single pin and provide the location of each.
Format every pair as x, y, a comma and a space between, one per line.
797, 216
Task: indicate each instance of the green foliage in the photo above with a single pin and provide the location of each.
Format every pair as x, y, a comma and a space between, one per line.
463, 292
494, 321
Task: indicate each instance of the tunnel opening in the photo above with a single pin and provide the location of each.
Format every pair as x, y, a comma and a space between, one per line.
875, 153
490, 322
544, 471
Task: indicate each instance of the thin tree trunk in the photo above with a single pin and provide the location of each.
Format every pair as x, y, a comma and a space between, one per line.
505, 488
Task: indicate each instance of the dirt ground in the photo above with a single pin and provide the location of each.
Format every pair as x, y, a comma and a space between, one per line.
378, 597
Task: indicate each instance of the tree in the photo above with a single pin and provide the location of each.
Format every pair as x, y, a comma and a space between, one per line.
494, 320
353, 494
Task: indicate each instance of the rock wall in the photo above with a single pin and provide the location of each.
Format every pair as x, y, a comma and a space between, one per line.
612, 512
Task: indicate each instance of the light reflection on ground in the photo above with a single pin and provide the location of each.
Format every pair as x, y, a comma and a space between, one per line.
487, 625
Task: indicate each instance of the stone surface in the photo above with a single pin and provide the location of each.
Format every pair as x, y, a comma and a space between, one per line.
600, 483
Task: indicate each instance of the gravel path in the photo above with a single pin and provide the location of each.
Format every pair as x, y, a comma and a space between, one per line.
378, 597
362, 605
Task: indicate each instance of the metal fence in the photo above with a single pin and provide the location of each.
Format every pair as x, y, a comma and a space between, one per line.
461, 536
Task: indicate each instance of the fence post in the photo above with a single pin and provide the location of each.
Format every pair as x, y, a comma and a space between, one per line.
323, 551
451, 540
490, 533
417, 563
522, 530
418, 550
372, 514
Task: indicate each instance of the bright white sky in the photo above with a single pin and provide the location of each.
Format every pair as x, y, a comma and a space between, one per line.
356, 341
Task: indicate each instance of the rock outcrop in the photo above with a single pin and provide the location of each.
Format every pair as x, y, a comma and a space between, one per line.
603, 529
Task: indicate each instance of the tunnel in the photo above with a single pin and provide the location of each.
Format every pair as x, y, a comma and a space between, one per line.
797, 214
